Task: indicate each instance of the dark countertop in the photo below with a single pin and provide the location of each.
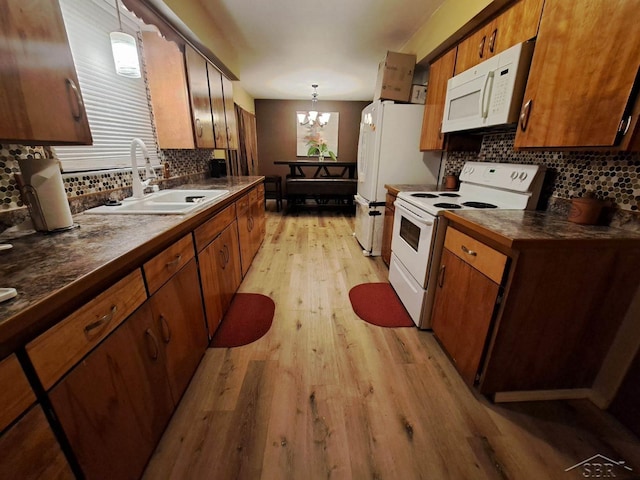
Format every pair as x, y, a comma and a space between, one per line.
518, 229
54, 274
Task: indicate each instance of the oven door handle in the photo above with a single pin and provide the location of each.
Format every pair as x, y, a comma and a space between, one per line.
412, 215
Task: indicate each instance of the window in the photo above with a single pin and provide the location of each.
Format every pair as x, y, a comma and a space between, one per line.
117, 107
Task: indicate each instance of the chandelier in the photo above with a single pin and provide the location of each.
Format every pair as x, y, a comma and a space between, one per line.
313, 116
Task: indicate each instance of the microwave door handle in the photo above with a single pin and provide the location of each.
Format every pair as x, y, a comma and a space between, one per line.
484, 111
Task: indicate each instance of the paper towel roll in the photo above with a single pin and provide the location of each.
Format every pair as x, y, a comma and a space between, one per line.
49, 205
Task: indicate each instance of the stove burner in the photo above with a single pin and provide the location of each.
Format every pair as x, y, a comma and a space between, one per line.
479, 205
451, 195
424, 195
447, 205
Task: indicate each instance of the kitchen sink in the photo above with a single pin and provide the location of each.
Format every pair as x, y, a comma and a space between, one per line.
164, 202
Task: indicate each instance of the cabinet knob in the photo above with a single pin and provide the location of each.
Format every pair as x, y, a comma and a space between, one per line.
101, 322
481, 46
198, 127
473, 253
441, 275
165, 329
492, 40
156, 349
78, 106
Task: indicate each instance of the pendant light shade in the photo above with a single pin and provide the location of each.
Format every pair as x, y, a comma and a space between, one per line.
125, 51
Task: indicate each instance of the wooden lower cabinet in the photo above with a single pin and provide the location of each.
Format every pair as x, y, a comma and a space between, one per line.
251, 225
30, 451
180, 325
114, 406
387, 228
220, 274
462, 313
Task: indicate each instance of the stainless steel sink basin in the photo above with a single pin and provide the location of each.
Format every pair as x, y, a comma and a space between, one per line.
164, 202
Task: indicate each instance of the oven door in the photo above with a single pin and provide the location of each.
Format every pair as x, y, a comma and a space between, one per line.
413, 232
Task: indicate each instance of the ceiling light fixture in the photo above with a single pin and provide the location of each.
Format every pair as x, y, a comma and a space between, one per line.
125, 51
312, 116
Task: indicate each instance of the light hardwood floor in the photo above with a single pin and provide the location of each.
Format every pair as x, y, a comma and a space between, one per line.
325, 395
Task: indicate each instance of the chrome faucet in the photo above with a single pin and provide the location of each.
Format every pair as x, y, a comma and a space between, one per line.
138, 185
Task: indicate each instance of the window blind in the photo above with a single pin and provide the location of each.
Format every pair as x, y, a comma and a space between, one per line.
117, 107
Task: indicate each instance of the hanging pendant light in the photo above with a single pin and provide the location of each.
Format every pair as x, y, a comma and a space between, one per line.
125, 51
312, 116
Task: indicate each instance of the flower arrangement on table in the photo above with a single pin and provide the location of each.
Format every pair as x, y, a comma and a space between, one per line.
317, 146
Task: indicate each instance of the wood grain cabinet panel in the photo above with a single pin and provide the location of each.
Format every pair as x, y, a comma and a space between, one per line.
54, 352
40, 97
16, 394
200, 98
167, 79
217, 107
584, 66
463, 309
230, 114
387, 228
163, 266
213, 227
516, 24
441, 70
220, 274
179, 321
114, 406
30, 451
251, 225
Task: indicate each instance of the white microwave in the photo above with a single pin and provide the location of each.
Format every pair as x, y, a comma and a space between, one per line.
490, 93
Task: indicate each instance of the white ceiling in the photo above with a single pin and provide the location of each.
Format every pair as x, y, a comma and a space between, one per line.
284, 46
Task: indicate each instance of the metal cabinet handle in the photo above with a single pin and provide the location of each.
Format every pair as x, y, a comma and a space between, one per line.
101, 322
524, 116
198, 127
165, 329
175, 262
481, 46
227, 256
77, 115
156, 349
441, 275
467, 251
492, 40
250, 224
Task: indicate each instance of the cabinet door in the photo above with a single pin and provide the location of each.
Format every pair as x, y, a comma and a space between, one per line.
517, 24
230, 114
581, 78
217, 107
387, 229
167, 79
39, 92
30, 451
220, 274
200, 100
114, 405
179, 319
462, 312
243, 209
440, 71
258, 215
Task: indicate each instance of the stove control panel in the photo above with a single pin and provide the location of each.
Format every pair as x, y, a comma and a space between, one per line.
510, 176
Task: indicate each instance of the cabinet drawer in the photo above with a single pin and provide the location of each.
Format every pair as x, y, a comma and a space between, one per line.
242, 205
16, 394
54, 352
260, 191
481, 257
164, 265
209, 230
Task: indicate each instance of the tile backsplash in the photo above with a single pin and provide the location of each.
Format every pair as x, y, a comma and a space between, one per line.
612, 176
87, 189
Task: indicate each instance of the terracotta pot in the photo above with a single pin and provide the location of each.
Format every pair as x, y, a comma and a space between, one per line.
585, 211
450, 182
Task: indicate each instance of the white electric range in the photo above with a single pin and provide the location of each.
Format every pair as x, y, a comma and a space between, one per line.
419, 227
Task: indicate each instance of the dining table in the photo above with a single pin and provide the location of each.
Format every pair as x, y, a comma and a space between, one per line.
319, 168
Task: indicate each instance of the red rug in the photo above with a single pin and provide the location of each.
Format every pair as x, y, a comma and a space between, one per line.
249, 317
378, 304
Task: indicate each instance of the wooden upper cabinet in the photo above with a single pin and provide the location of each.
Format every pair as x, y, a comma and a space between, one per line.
167, 79
584, 66
200, 101
517, 24
217, 107
40, 96
440, 71
230, 114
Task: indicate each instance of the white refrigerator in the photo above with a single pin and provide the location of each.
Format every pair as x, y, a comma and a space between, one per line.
388, 153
